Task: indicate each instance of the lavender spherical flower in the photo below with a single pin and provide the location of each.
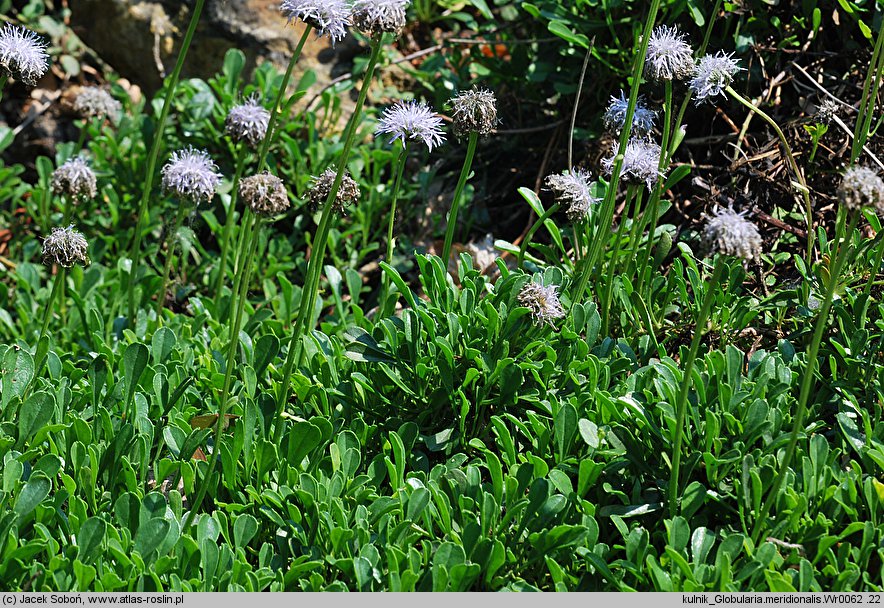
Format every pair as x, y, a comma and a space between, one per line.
543, 301
730, 233
264, 193
65, 247
328, 17
669, 56
474, 112
712, 75
641, 161
95, 102
573, 192
642, 118
861, 187
378, 16
321, 185
248, 122
412, 121
75, 179
23, 54
191, 174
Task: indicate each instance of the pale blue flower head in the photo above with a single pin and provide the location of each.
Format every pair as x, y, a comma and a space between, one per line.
412, 121
474, 111
712, 75
248, 122
75, 179
641, 161
642, 119
572, 190
730, 233
543, 301
378, 16
191, 174
669, 56
95, 102
65, 247
861, 187
23, 54
328, 17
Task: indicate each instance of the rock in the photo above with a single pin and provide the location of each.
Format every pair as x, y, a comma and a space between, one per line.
140, 38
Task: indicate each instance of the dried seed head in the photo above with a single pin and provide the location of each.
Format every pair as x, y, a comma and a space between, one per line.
191, 174
414, 121
543, 301
642, 118
572, 191
264, 193
75, 179
328, 17
712, 75
730, 233
23, 54
474, 112
248, 122
65, 247
377, 16
320, 187
861, 187
669, 56
95, 102
641, 162
827, 111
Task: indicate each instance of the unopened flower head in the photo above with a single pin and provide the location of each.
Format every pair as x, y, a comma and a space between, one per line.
642, 118
412, 121
713, 74
23, 54
641, 161
474, 111
264, 193
328, 17
378, 16
65, 247
730, 233
572, 191
827, 111
95, 102
248, 122
543, 301
75, 179
191, 174
669, 56
861, 187
321, 185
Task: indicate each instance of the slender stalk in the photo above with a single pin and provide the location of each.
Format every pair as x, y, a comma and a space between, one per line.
314, 266
458, 192
391, 244
228, 377
68, 209
3, 80
870, 94
534, 228
171, 240
632, 196
801, 185
172, 85
57, 286
228, 225
807, 381
611, 192
681, 406
577, 105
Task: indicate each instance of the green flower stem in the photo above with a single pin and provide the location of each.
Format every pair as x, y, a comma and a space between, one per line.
870, 94
68, 209
681, 405
171, 240
391, 244
458, 192
228, 226
790, 157
611, 192
135, 252
534, 228
314, 266
280, 95
57, 286
3, 80
807, 381
228, 373
634, 196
